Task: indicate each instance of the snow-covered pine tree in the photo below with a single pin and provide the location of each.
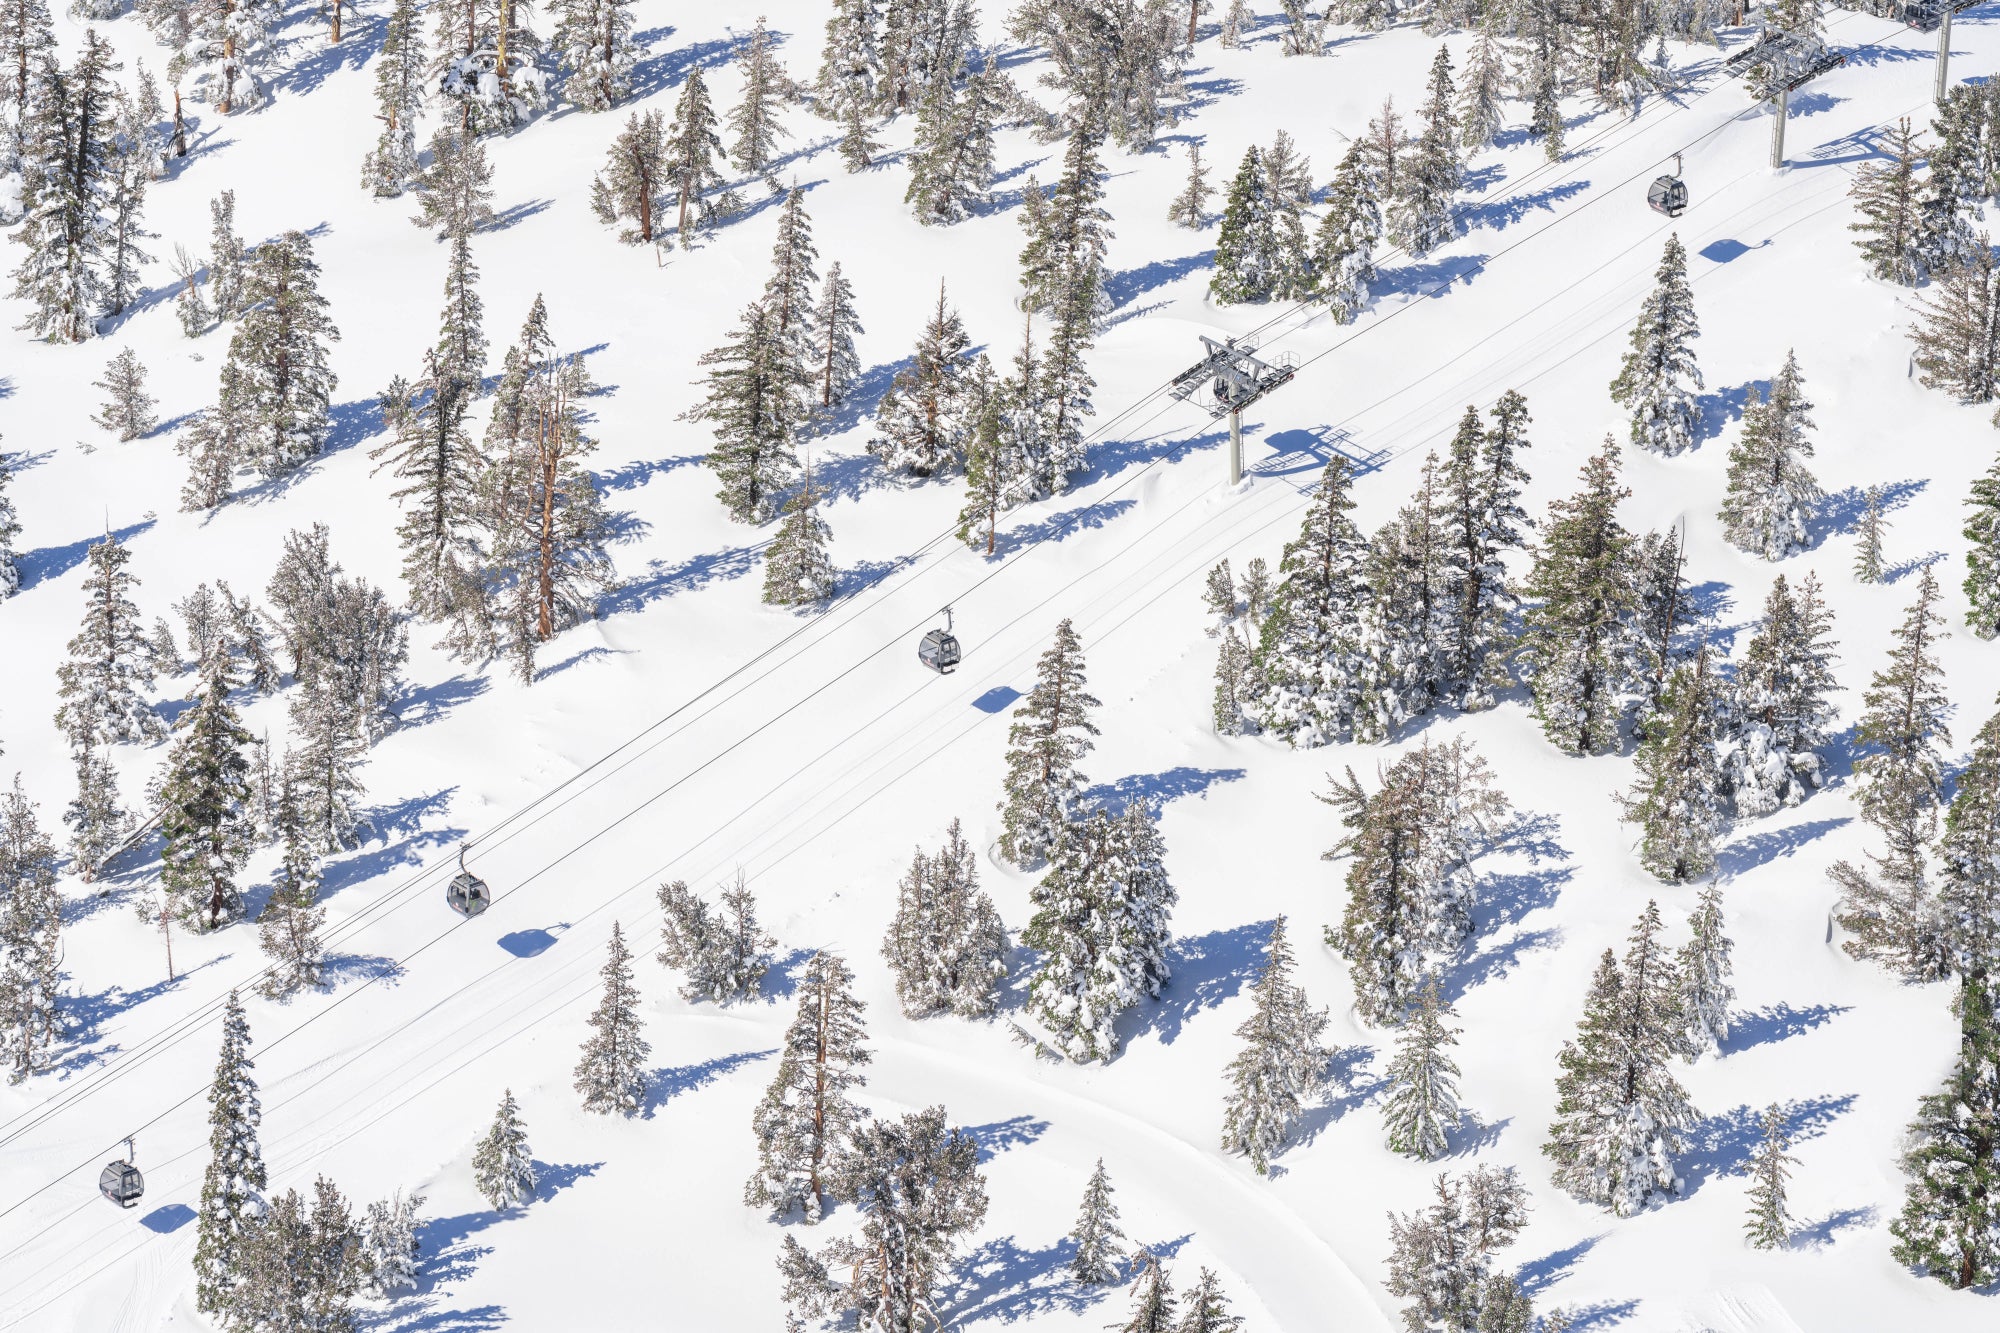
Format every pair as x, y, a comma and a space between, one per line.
788, 296
67, 155
1704, 969
1119, 63
189, 307
808, 1112
288, 929
723, 951
693, 151
797, 569
1442, 1255
1957, 344
919, 1190
131, 168
1480, 97
229, 51
455, 191
280, 349
1481, 520
1620, 1114
97, 822
1410, 883
333, 742
1982, 552
1969, 859
1404, 630
27, 45
1769, 1224
1420, 213
1677, 798
594, 42
1308, 654
205, 813
1248, 254
1868, 530
227, 258
1770, 489
1236, 20
392, 166
1953, 1160
389, 1246
946, 944
1577, 627
1659, 377
503, 1171
491, 67
749, 407
1256, 590
1190, 207
1235, 688
1218, 595
1344, 245
31, 951
1101, 926
432, 453
1902, 731
109, 663
835, 364
139, 126
1422, 1107
1885, 200
231, 1186
1948, 197
1096, 1234
1288, 185
848, 87
1542, 78
1282, 1064
1153, 1304
611, 1076
300, 1268
128, 408
1780, 716
987, 477
1051, 731
10, 532
754, 123
1205, 1309
632, 188
1062, 264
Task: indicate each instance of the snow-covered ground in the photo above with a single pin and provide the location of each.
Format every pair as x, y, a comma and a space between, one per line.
691, 731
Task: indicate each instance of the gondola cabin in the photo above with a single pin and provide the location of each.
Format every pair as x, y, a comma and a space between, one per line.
1668, 195
938, 650
121, 1183
467, 894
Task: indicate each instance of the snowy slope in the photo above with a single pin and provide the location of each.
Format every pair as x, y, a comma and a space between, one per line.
813, 753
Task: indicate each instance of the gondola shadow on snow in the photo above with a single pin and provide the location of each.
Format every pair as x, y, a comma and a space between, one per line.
663, 1085
1720, 1145
1777, 1022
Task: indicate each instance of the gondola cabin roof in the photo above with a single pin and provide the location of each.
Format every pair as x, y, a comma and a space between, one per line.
121, 1183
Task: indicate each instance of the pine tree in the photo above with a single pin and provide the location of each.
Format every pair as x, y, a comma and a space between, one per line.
280, 348
1410, 882
1152, 1297
754, 123
1308, 654
290, 924
98, 821
797, 569
10, 532
1235, 686
454, 192
923, 418
399, 100
1704, 968
1248, 255
1953, 1161
205, 811
128, 408
1443, 1255
1781, 717
1770, 490
1949, 194
1120, 64
722, 951
1969, 859
1344, 245
1545, 119
1422, 1107
434, 456
300, 1268
1678, 798
807, 1112
31, 950
1576, 628
220, 439
788, 295
389, 1245
1288, 185
594, 39
1190, 206
1482, 520
131, 168
189, 307
332, 742
109, 664
1769, 1225
1420, 215
1479, 98
951, 161
836, 365
67, 156
1901, 779
1100, 923
633, 185
1096, 1233
848, 88
692, 150
1885, 198
946, 943
1206, 1309
1620, 1114
229, 51
230, 1187
1062, 264
1982, 553
1051, 731
611, 1076
1659, 376
226, 259
502, 1169
749, 403
1282, 1064
1957, 341
1868, 531
1404, 621
488, 63
27, 45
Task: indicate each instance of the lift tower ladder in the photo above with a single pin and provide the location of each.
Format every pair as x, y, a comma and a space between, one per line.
1233, 377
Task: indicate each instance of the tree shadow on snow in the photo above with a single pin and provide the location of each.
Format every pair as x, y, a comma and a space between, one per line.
1157, 788
1058, 527
999, 1280
636, 474
664, 580
1504, 213
1128, 285
1776, 1022
1724, 407
420, 706
88, 1012
663, 1085
1842, 510
781, 979
359, 41
1747, 853
1722, 1144
1818, 1235
868, 573
998, 1136
1538, 1275
1206, 971
1350, 1085
52, 562
669, 69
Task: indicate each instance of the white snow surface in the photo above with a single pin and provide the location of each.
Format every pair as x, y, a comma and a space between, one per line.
692, 731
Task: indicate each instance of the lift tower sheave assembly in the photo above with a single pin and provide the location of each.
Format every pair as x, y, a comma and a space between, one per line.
1776, 65
1234, 377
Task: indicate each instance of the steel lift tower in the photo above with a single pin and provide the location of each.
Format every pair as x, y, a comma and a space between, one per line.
1779, 63
1234, 377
